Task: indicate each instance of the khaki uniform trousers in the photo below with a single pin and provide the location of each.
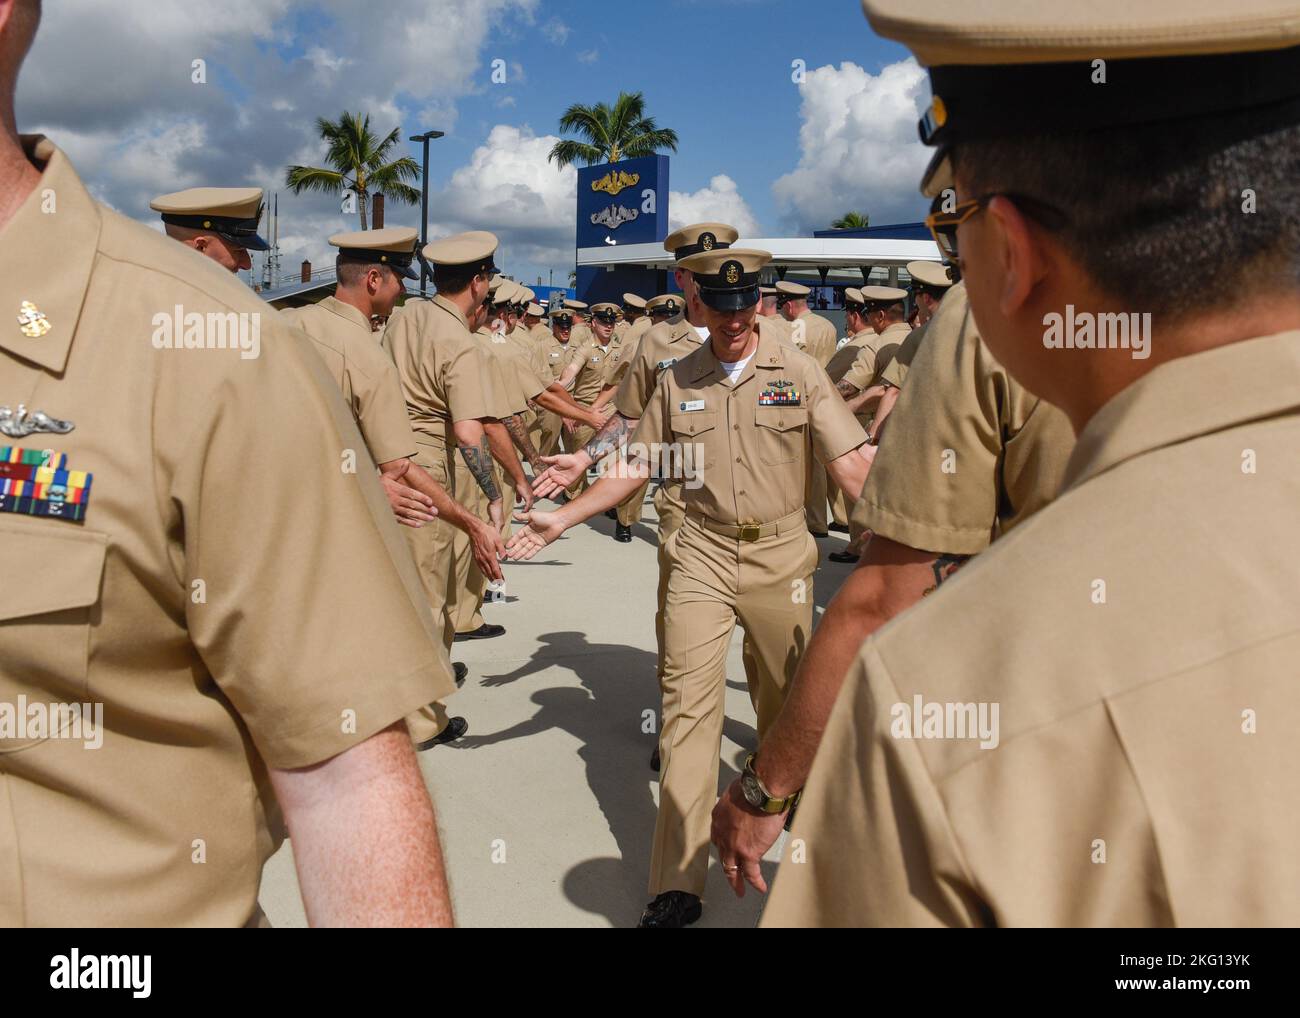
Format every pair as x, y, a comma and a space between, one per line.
431, 547
716, 581
629, 510
545, 433
468, 583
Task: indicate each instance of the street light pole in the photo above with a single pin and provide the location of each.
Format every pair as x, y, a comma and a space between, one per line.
424, 200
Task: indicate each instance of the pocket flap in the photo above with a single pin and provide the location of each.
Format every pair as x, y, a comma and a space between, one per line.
782, 418
45, 570
695, 422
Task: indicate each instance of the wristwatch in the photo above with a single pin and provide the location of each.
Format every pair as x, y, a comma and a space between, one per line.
758, 796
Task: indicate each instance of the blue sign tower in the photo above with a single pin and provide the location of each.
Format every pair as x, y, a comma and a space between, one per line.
620, 204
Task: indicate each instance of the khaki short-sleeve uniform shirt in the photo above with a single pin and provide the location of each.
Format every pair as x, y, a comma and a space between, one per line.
1157, 727
750, 441
364, 374
875, 354
846, 355
659, 348
895, 372
446, 376
969, 454
590, 359
819, 334
204, 574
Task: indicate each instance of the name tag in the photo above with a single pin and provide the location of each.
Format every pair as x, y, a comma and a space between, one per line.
687, 405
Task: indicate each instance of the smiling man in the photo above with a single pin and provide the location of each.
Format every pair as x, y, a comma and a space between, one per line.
746, 412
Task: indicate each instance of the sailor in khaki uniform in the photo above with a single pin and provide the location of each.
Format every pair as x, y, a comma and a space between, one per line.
816, 336
635, 320
452, 404
370, 267
240, 648
930, 283
581, 334
767, 310
584, 372
861, 334
671, 336
218, 222
1143, 767
555, 355
746, 412
884, 313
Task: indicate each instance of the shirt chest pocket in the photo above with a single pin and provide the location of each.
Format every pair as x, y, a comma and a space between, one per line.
49, 597
779, 433
696, 433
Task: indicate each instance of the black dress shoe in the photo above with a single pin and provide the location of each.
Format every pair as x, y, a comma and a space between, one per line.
461, 669
843, 556
654, 760
820, 536
483, 632
671, 911
840, 528
456, 727
622, 534
611, 514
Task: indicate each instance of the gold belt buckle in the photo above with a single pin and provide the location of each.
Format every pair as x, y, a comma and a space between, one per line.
749, 531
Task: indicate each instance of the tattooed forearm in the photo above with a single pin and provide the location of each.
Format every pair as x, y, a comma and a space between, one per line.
519, 435
944, 566
608, 438
479, 461
846, 388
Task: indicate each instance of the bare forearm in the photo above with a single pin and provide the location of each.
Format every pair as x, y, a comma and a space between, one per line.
479, 461
849, 471
887, 402
612, 434
503, 450
364, 837
514, 426
558, 401
606, 493
866, 399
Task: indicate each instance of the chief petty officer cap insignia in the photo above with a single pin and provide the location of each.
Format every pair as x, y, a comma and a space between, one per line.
699, 237
665, 304
231, 213
1006, 69
394, 247
468, 251
605, 311
728, 279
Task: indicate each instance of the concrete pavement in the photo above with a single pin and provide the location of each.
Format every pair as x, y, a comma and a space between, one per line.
547, 807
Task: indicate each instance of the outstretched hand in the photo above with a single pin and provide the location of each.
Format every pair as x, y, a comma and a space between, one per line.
561, 471
542, 528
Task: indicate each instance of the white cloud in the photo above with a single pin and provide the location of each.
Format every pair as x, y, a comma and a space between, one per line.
720, 202
557, 31
859, 147
589, 56
509, 188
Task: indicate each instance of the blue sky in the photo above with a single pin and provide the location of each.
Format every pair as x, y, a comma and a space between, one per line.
755, 148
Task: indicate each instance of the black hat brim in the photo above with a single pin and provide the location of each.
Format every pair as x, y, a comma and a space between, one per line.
730, 300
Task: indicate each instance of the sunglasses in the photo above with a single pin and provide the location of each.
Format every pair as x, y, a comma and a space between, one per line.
943, 225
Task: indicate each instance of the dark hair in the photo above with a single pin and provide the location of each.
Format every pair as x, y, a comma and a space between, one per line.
452, 279
351, 271
1156, 213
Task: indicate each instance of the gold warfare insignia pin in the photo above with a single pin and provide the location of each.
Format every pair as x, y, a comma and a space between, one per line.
33, 321
731, 273
707, 241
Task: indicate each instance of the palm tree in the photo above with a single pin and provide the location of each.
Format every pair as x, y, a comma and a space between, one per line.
621, 131
850, 221
359, 162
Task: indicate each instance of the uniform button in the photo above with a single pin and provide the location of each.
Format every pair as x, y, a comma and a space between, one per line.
737, 459
735, 427
740, 493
